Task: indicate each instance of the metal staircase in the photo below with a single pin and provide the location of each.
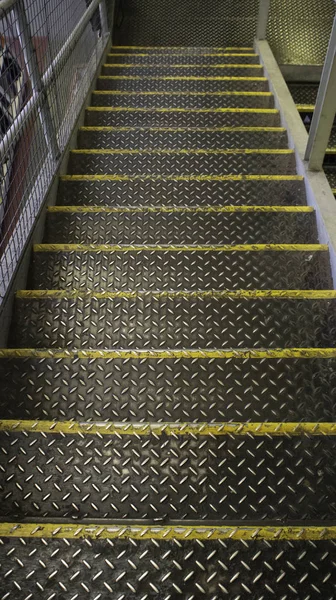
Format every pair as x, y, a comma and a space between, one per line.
168, 395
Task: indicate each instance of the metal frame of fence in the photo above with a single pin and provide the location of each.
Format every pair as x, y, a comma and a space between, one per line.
55, 46
325, 111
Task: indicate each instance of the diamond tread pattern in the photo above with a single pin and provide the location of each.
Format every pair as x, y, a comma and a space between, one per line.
157, 192
171, 390
228, 70
180, 100
159, 118
167, 270
189, 569
182, 162
147, 322
188, 477
180, 228
143, 84
182, 59
145, 138
163, 477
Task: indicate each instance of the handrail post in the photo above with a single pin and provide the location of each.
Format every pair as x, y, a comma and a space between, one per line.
325, 109
103, 16
264, 7
24, 35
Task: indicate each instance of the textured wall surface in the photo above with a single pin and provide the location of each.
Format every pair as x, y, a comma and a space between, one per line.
298, 29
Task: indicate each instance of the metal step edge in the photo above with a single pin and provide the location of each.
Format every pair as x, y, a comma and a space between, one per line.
238, 294
182, 151
115, 47
238, 129
181, 178
269, 111
180, 209
165, 532
169, 429
176, 248
181, 54
238, 354
182, 78
182, 93
183, 66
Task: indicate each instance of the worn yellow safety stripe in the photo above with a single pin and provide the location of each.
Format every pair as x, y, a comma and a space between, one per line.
164, 532
305, 107
250, 353
180, 209
180, 248
180, 48
183, 93
331, 151
282, 151
269, 111
235, 294
333, 191
181, 178
170, 429
185, 129
181, 66
179, 54
181, 78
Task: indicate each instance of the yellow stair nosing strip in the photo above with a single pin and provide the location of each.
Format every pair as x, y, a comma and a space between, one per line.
170, 429
136, 54
206, 294
181, 66
258, 111
180, 248
185, 129
333, 191
305, 107
237, 354
181, 178
92, 531
181, 209
182, 93
181, 78
182, 47
275, 151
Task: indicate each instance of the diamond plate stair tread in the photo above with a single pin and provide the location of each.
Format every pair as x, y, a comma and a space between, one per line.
190, 101
194, 270
177, 193
191, 569
303, 93
168, 390
182, 477
142, 139
180, 228
181, 163
182, 58
331, 176
332, 139
147, 322
145, 70
143, 84
152, 118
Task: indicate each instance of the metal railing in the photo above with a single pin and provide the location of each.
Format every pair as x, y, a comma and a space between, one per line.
325, 111
50, 51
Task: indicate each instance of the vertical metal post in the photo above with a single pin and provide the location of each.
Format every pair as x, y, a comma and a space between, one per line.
24, 36
325, 109
103, 17
264, 7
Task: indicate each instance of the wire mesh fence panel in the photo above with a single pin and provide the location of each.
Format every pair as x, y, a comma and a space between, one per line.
49, 53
